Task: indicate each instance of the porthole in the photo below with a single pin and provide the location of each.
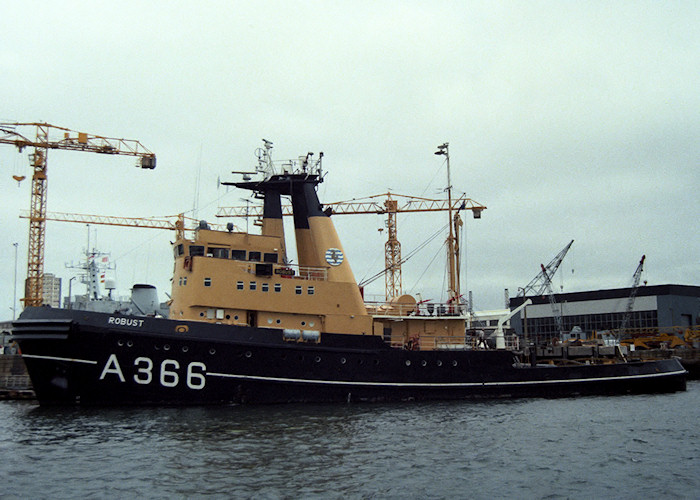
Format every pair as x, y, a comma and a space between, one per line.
269, 321
360, 361
439, 363
129, 343
212, 351
248, 354
311, 324
303, 323
228, 316
408, 362
185, 348
343, 361
156, 348
423, 363
235, 317
120, 342
317, 359
166, 347
279, 321
201, 315
454, 363
376, 362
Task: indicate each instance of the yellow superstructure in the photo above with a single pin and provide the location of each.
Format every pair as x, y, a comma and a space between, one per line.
246, 279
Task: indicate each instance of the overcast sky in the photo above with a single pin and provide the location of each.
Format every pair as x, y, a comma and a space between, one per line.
568, 120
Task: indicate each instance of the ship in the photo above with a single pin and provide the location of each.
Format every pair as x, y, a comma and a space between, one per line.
92, 268
247, 324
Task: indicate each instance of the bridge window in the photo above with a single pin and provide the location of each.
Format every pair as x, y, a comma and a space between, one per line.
270, 257
196, 250
218, 253
254, 256
238, 254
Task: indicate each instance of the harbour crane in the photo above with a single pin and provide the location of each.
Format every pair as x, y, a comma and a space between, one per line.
538, 284
71, 140
389, 204
552, 301
633, 294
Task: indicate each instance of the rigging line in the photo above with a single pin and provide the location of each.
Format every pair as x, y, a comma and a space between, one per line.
138, 246
410, 216
437, 171
411, 254
439, 251
422, 245
374, 263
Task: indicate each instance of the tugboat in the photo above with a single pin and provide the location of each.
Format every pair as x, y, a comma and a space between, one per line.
248, 326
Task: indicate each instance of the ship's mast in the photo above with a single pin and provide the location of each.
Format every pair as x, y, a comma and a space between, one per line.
444, 150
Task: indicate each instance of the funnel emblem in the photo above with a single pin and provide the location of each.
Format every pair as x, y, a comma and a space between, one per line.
334, 256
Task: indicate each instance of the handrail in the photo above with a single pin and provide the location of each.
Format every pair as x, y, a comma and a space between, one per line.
291, 271
431, 309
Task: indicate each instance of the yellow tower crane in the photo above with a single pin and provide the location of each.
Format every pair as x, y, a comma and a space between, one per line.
390, 204
172, 222
71, 140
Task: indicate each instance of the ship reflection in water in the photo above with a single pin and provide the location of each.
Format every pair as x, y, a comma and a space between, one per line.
641, 446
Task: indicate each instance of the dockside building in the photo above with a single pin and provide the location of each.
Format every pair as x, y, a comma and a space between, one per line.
659, 306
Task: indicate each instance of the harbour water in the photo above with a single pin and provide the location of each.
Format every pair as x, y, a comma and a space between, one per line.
595, 447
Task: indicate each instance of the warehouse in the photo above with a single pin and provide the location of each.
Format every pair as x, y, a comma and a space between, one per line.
674, 307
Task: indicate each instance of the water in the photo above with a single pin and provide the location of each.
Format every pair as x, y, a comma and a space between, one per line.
594, 447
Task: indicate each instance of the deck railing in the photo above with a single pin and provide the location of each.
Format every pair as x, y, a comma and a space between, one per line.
293, 271
451, 343
437, 310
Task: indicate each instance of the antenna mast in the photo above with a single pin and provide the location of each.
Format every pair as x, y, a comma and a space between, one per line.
444, 150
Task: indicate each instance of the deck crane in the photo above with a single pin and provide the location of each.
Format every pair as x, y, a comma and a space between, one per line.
633, 294
386, 203
71, 140
538, 284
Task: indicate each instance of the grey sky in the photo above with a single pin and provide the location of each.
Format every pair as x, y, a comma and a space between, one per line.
568, 120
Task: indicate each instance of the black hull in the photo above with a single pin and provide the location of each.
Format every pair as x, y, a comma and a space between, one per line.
79, 357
